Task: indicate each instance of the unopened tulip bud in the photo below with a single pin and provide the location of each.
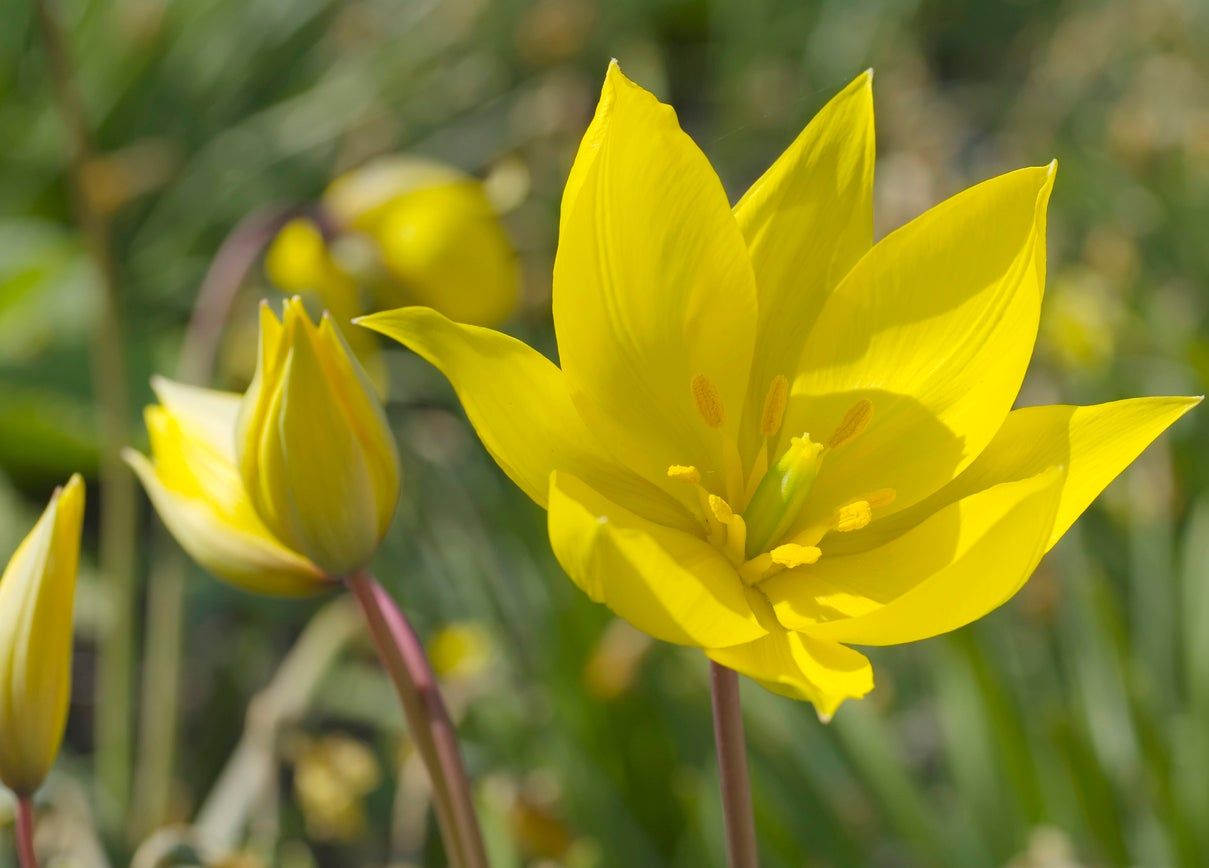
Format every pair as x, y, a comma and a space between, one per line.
37, 596
316, 455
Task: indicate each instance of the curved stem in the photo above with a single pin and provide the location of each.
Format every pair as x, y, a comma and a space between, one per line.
25, 833
741, 849
227, 272
403, 657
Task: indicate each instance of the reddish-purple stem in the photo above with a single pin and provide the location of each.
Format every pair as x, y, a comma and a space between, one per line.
404, 659
741, 851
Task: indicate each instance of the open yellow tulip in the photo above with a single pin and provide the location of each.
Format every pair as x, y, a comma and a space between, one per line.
288, 487
769, 437
37, 597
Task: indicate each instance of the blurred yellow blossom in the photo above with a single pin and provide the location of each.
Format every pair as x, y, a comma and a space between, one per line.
332, 775
615, 660
405, 230
769, 437
37, 597
460, 650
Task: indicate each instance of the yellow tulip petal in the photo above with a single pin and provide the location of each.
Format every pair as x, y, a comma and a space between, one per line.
953, 568
194, 483
807, 221
934, 327
1093, 443
518, 403
37, 597
667, 583
240, 552
653, 290
208, 413
793, 664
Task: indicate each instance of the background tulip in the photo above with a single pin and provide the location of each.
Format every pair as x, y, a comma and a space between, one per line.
405, 230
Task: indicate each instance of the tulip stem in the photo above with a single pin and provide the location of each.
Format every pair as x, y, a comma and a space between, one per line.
403, 657
25, 833
119, 504
732, 768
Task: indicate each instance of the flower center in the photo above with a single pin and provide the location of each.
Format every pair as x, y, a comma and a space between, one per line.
761, 539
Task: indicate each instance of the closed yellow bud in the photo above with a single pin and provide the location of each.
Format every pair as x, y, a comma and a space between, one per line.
193, 480
37, 596
316, 455
437, 237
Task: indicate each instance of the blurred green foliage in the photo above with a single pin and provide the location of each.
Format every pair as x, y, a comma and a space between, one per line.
1070, 728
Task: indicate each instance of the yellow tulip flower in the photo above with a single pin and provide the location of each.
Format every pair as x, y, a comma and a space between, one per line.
769, 437
410, 231
37, 597
288, 487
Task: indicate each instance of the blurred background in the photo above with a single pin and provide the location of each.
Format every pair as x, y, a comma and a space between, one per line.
210, 727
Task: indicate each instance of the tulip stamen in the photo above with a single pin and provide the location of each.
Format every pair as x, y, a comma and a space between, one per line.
854, 423
857, 514
715, 530
684, 473
791, 555
774, 406
708, 401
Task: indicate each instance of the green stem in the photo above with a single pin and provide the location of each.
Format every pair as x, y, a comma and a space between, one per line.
117, 497
403, 657
741, 849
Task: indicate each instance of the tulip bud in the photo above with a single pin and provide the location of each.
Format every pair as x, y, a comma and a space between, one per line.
36, 601
194, 484
316, 454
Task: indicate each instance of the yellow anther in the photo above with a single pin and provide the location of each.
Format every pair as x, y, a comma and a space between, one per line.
853, 516
790, 555
684, 473
855, 421
709, 402
881, 497
774, 406
721, 509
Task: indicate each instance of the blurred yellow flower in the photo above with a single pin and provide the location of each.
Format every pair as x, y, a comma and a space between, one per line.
769, 437
37, 597
461, 650
288, 487
409, 231
332, 776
